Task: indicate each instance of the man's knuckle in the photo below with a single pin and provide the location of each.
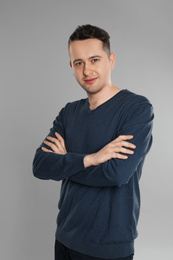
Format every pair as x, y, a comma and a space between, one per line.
51, 145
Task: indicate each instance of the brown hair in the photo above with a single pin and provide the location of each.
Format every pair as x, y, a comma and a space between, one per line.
91, 32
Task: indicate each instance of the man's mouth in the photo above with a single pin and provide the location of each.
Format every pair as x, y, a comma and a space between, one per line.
89, 81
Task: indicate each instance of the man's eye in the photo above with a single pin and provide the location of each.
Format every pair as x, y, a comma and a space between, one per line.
95, 60
78, 63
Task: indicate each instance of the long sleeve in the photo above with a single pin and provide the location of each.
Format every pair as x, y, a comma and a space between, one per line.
117, 172
136, 120
47, 165
90, 198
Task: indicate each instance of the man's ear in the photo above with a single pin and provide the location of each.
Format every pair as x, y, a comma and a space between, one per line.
112, 60
70, 64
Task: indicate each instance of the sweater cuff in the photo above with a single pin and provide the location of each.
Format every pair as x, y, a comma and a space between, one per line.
77, 161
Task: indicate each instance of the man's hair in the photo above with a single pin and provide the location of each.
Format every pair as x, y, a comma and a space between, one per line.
88, 31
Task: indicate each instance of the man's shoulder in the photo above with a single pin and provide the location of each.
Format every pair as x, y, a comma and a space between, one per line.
132, 99
73, 104
136, 106
71, 107
133, 104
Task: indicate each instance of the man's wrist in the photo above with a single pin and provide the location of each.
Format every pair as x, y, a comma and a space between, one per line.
89, 160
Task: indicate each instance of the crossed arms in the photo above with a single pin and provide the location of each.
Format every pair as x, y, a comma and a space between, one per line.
113, 165
115, 149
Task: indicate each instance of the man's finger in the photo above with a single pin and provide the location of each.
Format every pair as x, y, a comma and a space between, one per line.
45, 149
60, 138
54, 140
120, 156
51, 145
127, 144
127, 151
124, 137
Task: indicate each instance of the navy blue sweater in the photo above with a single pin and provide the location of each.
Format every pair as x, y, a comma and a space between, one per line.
99, 205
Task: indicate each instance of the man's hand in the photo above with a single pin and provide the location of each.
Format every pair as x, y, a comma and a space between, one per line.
111, 150
57, 145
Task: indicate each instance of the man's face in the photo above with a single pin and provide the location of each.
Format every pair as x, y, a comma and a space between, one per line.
91, 64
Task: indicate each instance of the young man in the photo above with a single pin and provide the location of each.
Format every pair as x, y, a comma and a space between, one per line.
97, 147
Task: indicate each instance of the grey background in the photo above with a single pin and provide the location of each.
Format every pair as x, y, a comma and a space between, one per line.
36, 82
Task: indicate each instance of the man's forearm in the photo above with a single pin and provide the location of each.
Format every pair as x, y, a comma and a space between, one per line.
113, 149
89, 160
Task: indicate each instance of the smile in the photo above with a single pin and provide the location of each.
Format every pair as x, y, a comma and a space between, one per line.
89, 81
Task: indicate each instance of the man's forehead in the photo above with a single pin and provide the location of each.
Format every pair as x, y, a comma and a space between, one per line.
86, 48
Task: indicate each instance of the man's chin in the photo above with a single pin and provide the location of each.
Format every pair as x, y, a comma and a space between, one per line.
91, 91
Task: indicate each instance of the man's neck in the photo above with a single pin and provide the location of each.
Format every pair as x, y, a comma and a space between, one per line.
101, 97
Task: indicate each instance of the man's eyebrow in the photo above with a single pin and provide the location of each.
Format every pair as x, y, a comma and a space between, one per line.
77, 60
90, 58
95, 56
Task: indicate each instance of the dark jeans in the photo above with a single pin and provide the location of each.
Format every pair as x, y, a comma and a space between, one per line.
64, 253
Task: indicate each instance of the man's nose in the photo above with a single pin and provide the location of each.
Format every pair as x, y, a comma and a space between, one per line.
87, 69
